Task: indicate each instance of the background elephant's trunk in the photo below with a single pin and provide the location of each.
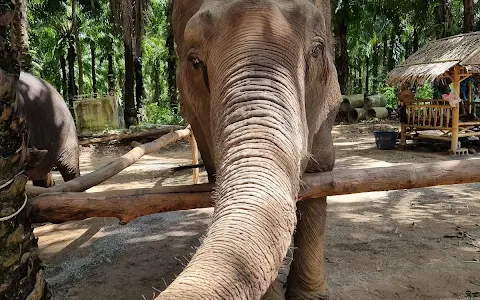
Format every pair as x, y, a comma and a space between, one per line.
259, 142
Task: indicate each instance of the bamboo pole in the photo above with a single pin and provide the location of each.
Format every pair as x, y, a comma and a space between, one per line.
469, 100
128, 205
98, 176
403, 135
193, 145
455, 110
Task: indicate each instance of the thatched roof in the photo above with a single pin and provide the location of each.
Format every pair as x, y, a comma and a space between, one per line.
437, 57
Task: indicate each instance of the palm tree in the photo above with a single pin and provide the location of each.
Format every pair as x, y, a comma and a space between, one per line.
78, 46
171, 59
130, 113
468, 16
21, 273
139, 32
20, 35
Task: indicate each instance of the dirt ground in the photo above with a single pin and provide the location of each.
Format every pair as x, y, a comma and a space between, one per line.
416, 244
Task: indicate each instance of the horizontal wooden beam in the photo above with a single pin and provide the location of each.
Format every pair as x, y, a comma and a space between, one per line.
131, 204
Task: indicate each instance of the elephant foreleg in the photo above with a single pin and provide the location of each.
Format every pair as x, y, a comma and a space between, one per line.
307, 280
45, 182
68, 165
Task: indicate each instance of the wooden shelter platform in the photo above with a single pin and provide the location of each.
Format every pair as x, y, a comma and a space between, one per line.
451, 59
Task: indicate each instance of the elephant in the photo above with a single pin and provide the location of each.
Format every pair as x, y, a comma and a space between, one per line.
51, 127
259, 88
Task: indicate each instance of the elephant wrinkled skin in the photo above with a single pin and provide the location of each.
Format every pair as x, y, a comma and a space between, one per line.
259, 88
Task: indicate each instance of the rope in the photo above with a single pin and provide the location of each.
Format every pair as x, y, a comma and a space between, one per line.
2, 219
10, 181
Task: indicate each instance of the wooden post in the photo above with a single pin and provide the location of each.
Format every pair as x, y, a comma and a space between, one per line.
469, 101
455, 110
196, 171
403, 135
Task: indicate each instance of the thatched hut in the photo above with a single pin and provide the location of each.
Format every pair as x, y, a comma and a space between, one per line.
451, 59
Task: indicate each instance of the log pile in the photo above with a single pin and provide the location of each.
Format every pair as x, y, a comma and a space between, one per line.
358, 107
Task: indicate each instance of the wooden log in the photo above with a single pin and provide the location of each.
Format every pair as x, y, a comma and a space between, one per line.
351, 101
356, 114
128, 205
125, 205
98, 176
375, 101
377, 112
155, 133
196, 171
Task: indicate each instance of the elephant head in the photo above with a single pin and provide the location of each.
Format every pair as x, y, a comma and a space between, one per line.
257, 82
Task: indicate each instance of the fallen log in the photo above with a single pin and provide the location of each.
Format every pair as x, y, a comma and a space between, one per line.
155, 133
98, 176
128, 205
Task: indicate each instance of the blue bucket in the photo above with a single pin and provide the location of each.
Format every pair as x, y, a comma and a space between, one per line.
386, 140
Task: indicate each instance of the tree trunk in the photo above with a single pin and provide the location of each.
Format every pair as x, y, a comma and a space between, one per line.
385, 53
139, 31
468, 16
171, 60
367, 76
375, 62
94, 74
72, 88
415, 39
78, 47
130, 114
360, 86
341, 53
20, 35
157, 92
393, 41
444, 19
21, 272
111, 74
63, 66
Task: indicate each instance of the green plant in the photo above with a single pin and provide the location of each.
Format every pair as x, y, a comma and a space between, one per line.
161, 115
425, 92
391, 93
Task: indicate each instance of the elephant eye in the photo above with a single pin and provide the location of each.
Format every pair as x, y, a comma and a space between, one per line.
317, 47
194, 59
316, 50
196, 63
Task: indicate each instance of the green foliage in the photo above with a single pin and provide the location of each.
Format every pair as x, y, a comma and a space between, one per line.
425, 92
50, 36
383, 33
161, 114
391, 93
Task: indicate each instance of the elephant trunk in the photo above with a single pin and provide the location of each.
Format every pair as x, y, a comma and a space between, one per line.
258, 134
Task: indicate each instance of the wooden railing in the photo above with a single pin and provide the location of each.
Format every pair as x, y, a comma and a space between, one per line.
435, 114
